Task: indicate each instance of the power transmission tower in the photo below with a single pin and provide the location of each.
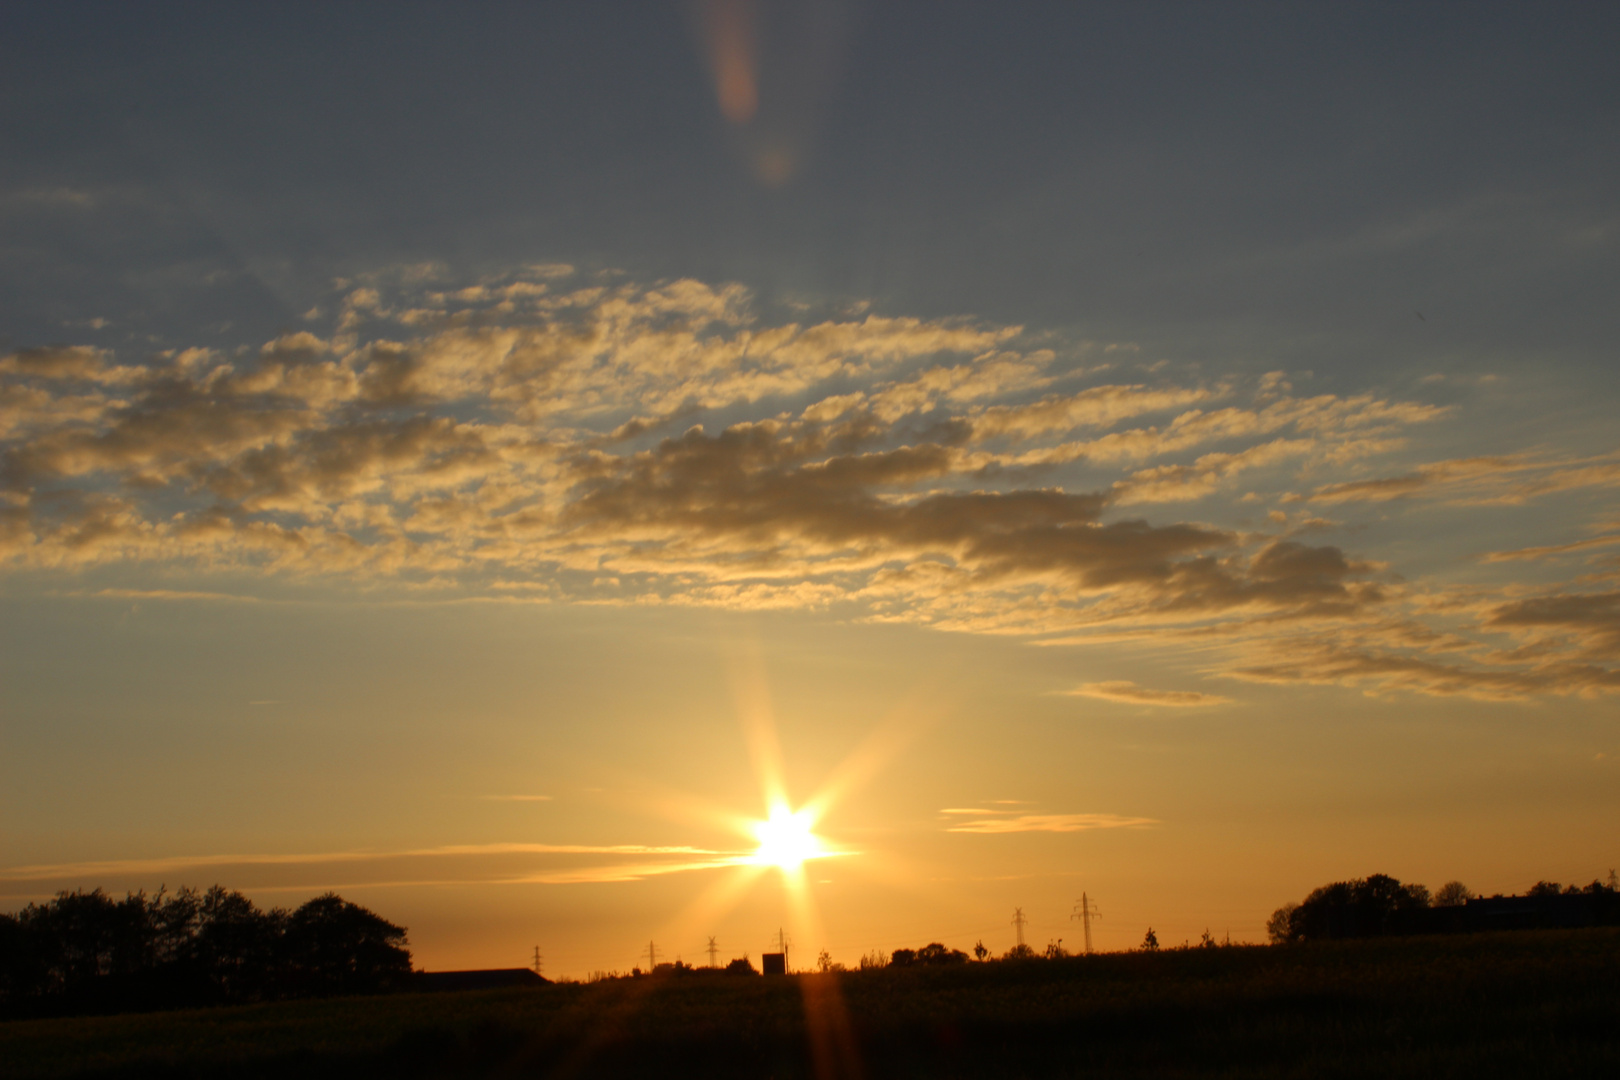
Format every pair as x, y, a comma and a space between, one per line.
782, 943
652, 956
713, 948
1018, 921
1085, 909
539, 963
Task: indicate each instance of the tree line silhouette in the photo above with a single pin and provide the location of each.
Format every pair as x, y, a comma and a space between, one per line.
86, 952
1380, 906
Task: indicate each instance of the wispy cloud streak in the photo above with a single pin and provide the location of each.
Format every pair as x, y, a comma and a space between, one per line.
182, 863
1057, 823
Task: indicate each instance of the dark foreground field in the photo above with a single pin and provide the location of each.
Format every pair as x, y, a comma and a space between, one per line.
1527, 1004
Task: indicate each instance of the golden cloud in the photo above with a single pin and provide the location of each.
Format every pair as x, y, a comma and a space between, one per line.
1059, 823
542, 436
1128, 693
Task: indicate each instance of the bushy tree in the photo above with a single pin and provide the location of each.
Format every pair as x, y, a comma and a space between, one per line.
1452, 894
335, 947
1365, 907
935, 953
1150, 941
236, 946
1279, 928
931, 955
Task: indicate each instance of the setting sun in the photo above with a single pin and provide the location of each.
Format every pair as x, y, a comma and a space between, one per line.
785, 839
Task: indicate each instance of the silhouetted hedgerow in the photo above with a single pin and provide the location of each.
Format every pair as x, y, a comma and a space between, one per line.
1380, 906
86, 952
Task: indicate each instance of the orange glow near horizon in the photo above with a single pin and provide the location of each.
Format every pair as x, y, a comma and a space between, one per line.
785, 837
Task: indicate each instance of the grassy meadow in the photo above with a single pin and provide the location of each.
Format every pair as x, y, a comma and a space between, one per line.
1543, 1003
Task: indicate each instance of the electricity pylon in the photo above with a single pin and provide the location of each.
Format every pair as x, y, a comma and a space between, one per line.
652, 956
539, 963
1085, 909
1018, 921
713, 948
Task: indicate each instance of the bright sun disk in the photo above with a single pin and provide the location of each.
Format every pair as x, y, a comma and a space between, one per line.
785, 839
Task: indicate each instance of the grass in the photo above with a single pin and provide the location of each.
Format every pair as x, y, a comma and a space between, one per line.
1525, 1004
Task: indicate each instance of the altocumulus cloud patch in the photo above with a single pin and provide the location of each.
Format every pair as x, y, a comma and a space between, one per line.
545, 436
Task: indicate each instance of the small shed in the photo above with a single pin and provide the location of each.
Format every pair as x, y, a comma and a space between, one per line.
774, 963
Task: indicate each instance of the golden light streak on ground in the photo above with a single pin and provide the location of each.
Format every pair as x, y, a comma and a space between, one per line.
832, 1042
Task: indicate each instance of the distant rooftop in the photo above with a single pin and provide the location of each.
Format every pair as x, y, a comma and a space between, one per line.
484, 979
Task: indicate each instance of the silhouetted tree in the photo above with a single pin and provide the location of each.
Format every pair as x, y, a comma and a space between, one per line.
1365, 907
19, 966
236, 945
936, 953
335, 947
1452, 894
980, 953
1279, 926
740, 966
1150, 940
84, 951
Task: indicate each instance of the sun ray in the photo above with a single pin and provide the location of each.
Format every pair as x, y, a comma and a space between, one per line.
751, 689
903, 724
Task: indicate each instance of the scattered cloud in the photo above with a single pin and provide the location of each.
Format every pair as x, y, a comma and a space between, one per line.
1061, 823
1481, 480
542, 437
1128, 693
1532, 554
170, 594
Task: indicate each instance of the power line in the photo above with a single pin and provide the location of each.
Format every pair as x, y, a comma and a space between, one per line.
1085, 909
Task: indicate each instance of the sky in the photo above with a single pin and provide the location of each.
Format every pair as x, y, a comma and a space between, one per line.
486, 459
